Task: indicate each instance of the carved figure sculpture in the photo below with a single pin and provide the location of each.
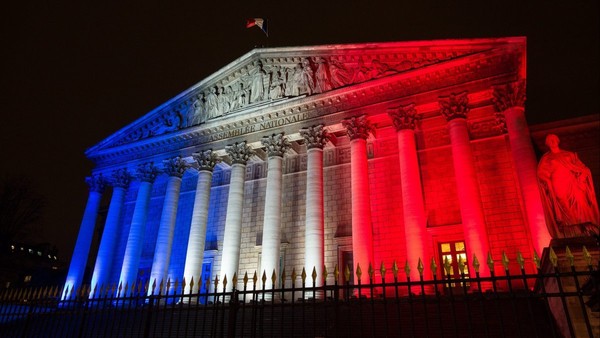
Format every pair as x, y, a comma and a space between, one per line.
307, 80
322, 83
277, 82
257, 86
567, 192
196, 113
231, 98
339, 74
222, 102
211, 104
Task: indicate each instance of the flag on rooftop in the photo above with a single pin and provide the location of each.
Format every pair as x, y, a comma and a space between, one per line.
260, 22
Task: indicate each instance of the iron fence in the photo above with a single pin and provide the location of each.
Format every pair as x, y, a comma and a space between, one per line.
551, 302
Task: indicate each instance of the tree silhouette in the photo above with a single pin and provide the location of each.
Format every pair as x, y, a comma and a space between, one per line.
20, 210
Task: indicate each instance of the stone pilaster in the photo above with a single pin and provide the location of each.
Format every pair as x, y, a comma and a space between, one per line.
417, 241
314, 244
120, 181
276, 145
174, 168
358, 129
509, 100
455, 109
239, 153
146, 173
206, 161
74, 279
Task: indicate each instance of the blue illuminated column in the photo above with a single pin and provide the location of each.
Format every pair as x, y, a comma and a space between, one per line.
84, 238
146, 173
314, 235
239, 153
175, 168
276, 145
206, 161
102, 269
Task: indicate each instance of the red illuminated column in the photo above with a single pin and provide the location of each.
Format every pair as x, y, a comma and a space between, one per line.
314, 236
174, 168
276, 145
239, 153
358, 129
195, 250
146, 173
84, 238
415, 222
510, 101
103, 267
455, 109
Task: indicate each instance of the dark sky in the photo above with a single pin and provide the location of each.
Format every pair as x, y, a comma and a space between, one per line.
74, 73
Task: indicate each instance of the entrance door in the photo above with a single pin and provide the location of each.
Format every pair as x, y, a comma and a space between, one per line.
453, 252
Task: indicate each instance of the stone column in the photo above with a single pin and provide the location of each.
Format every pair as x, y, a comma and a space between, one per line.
418, 244
174, 168
206, 161
276, 145
455, 109
358, 129
509, 100
146, 173
104, 259
314, 235
86, 233
239, 153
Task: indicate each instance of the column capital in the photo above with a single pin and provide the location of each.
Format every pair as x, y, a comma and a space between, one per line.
239, 152
509, 95
147, 172
358, 127
404, 117
175, 166
206, 159
315, 136
276, 144
120, 178
454, 106
96, 182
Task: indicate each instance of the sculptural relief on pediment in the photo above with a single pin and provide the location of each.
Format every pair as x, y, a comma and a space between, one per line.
270, 79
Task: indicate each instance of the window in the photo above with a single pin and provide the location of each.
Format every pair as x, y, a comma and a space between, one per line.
453, 252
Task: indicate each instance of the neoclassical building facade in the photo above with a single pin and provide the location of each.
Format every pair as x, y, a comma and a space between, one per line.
320, 156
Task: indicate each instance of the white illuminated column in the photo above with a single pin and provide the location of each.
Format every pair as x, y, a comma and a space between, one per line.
510, 101
358, 129
417, 240
206, 161
239, 153
102, 269
314, 235
84, 238
146, 173
174, 168
455, 109
276, 145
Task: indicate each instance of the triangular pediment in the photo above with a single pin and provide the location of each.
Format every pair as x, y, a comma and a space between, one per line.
272, 76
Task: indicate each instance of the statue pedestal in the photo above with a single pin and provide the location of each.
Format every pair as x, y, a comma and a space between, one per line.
566, 305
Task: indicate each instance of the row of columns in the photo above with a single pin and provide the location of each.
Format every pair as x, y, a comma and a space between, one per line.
418, 243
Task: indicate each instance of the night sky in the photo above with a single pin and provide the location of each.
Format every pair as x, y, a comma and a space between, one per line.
74, 73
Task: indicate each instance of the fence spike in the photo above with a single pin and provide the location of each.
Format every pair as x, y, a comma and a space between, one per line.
420, 267
447, 265
168, 285
294, 276
587, 256
407, 268
264, 277
536, 260
569, 256
283, 276
347, 273
255, 278
382, 270
313, 274
192, 285
175, 285
433, 266
371, 271
273, 278
206, 284
461, 265
245, 279
119, 289
234, 280
217, 282
520, 260
183, 285
358, 271
132, 289
336, 272
476, 263
325, 273
303, 275
505, 260
224, 283
553, 257
395, 270
490, 262
161, 287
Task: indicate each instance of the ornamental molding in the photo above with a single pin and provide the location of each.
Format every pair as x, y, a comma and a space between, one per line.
96, 182
206, 160
358, 127
175, 166
454, 106
147, 172
120, 178
239, 152
404, 117
315, 136
290, 113
276, 145
509, 95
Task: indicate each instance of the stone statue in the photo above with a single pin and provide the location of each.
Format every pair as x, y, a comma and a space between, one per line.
276, 88
322, 83
257, 85
222, 101
307, 80
196, 113
567, 192
339, 74
211, 104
